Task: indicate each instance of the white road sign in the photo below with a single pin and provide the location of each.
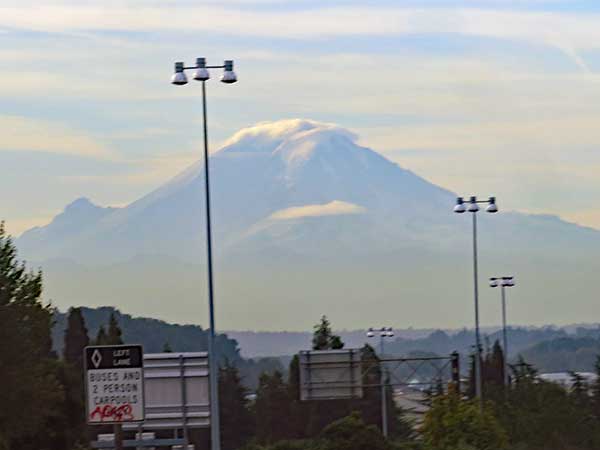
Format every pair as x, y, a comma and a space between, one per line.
115, 384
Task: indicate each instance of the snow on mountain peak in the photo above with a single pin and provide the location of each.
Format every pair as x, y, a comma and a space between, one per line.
266, 137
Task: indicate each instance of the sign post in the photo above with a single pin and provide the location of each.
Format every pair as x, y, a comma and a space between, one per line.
114, 386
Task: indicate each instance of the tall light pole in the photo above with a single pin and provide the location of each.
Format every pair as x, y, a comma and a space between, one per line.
179, 78
384, 332
503, 282
474, 208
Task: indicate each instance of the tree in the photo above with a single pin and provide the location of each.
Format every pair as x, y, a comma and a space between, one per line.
493, 367
76, 338
323, 337
114, 332
31, 395
101, 336
351, 433
237, 424
456, 424
595, 390
272, 409
579, 388
523, 372
167, 348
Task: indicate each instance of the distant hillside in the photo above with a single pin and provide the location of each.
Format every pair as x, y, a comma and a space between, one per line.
564, 354
153, 334
550, 349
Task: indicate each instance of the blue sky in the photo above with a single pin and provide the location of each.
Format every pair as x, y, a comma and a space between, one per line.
486, 97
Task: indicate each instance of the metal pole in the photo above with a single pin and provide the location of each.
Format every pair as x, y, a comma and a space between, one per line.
183, 402
384, 419
504, 337
478, 383
215, 433
118, 436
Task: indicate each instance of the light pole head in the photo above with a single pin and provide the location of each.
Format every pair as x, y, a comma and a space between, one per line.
508, 281
201, 73
473, 206
493, 282
179, 77
492, 208
460, 205
229, 75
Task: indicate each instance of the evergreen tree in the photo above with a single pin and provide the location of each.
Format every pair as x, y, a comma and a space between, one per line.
299, 410
31, 396
237, 424
336, 343
114, 331
101, 336
272, 409
76, 338
523, 372
595, 390
579, 390
323, 337
494, 365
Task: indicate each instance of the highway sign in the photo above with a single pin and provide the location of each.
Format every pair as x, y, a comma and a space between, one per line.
330, 374
114, 384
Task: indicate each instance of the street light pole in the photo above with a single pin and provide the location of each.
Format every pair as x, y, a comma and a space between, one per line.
179, 78
504, 283
383, 333
474, 208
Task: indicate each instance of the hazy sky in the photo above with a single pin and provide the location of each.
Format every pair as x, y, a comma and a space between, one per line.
486, 97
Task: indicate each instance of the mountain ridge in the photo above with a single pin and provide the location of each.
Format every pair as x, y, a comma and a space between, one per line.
304, 218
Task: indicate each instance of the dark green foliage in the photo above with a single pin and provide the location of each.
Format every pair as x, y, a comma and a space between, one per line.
455, 424
543, 416
101, 336
76, 338
114, 334
150, 333
523, 372
346, 433
595, 391
72, 377
237, 424
323, 337
272, 409
351, 433
31, 395
252, 369
493, 366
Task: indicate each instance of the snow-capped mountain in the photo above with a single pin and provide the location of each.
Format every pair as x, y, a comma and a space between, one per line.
266, 179
302, 212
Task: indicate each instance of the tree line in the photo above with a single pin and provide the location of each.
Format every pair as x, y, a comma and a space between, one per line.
42, 400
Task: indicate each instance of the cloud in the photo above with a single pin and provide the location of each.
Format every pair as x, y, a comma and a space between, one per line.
567, 30
22, 133
334, 208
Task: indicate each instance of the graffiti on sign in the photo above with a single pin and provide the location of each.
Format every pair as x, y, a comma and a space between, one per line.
112, 413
